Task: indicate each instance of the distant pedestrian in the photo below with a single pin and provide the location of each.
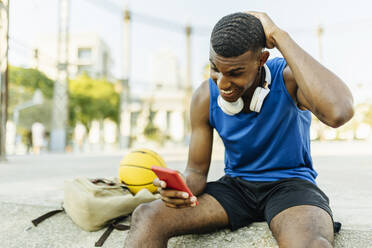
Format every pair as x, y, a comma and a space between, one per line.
38, 132
79, 136
28, 141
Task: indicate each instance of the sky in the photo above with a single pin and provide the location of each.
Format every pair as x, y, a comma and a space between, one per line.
346, 40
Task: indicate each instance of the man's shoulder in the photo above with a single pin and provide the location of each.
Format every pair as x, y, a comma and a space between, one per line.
200, 104
201, 95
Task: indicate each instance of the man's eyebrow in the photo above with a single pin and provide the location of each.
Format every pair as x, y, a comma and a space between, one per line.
236, 69
232, 70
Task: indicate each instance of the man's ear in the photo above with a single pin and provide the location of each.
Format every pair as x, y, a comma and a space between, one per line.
263, 57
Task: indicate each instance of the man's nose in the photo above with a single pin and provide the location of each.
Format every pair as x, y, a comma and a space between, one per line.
223, 82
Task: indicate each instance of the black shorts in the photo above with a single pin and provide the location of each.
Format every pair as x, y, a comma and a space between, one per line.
248, 201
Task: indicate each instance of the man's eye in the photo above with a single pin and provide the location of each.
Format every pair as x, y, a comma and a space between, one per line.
235, 74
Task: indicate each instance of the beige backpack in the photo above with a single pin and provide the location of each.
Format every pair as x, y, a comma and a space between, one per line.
95, 203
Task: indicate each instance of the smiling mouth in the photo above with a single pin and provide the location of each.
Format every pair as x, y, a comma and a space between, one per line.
229, 95
227, 92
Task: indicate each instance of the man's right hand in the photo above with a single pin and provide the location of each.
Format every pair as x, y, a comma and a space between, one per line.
174, 198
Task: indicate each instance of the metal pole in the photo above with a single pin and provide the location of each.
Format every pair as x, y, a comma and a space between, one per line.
4, 38
125, 114
188, 85
60, 97
36, 59
320, 32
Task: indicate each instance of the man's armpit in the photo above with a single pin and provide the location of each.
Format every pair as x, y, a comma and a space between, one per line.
293, 90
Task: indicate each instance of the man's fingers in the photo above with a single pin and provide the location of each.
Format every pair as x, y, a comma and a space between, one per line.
159, 183
170, 205
177, 201
174, 193
174, 201
254, 13
177, 206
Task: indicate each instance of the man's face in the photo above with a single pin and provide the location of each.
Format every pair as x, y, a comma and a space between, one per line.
234, 75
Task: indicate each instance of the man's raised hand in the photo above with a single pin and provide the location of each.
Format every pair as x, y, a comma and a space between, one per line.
268, 25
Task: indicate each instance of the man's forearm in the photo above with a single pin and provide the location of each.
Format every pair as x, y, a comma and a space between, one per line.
327, 95
195, 180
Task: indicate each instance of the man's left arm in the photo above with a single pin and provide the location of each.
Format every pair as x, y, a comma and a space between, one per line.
318, 89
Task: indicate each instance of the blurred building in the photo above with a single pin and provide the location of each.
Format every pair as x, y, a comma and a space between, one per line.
165, 71
87, 53
161, 101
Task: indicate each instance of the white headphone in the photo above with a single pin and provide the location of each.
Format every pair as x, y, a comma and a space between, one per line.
259, 95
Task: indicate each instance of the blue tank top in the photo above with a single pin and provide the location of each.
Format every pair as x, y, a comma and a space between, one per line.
267, 146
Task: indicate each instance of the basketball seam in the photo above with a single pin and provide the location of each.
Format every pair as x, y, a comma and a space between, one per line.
137, 166
154, 156
136, 184
157, 159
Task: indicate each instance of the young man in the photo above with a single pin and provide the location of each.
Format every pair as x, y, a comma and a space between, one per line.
269, 171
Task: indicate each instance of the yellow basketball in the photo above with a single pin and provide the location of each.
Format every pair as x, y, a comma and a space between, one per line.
135, 169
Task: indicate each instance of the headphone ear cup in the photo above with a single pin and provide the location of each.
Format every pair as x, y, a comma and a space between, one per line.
255, 99
260, 93
230, 108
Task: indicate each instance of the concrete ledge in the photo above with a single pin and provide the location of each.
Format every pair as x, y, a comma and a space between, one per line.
258, 235
60, 231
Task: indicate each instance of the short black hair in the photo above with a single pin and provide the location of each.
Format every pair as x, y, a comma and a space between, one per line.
236, 34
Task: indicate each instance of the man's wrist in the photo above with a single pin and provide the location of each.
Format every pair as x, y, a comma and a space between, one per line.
279, 35
193, 170
195, 181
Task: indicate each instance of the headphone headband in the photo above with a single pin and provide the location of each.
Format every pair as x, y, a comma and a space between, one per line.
267, 75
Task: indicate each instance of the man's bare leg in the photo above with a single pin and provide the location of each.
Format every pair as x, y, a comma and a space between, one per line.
303, 226
154, 223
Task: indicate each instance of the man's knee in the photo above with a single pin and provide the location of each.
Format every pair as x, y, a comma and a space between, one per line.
146, 218
319, 242
146, 228
305, 241
143, 214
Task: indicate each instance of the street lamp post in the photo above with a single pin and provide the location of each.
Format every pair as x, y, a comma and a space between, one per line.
60, 94
4, 30
125, 116
188, 84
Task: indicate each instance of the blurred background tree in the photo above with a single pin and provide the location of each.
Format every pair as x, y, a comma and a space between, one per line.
151, 131
92, 99
89, 99
23, 83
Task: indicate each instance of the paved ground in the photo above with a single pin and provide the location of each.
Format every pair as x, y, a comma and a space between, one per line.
31, 184
61, 232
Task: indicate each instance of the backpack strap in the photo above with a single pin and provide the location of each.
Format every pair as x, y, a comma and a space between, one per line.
121, 227
337, 227
114, 225
45, 216
104, 236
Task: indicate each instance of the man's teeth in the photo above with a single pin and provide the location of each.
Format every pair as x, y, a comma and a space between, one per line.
227, 91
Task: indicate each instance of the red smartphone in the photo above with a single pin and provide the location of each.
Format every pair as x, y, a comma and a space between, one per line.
172, 178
